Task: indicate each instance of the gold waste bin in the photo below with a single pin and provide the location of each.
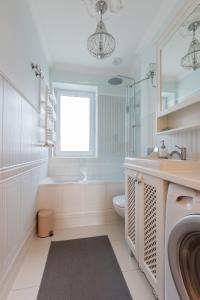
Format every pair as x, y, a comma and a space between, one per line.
45, 223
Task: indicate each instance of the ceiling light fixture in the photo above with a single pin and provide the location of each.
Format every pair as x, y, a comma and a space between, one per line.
114, 6
191, 60
101, 44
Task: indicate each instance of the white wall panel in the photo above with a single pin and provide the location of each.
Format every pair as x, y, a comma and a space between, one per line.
11, 126
189, 139
111, 126
1, 229
1, 118
35, 136
11, 195
19, 145
26, 132
19, 133
26, 204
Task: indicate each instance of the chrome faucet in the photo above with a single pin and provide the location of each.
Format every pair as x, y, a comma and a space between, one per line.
181, 154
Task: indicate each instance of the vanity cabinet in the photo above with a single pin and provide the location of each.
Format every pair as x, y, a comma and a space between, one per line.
145, 225
131, 212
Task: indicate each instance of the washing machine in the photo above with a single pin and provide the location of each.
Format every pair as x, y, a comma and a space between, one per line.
182, 244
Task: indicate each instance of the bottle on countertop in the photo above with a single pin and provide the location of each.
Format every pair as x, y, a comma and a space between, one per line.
163, 150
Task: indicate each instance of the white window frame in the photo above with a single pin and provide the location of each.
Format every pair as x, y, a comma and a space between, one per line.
92, 95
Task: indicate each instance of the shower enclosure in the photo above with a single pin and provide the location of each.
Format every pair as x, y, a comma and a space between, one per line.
132, 122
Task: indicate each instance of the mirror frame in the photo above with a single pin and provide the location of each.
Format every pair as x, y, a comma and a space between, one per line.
166, 35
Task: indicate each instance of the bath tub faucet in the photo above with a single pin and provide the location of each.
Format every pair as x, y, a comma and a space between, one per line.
181, 154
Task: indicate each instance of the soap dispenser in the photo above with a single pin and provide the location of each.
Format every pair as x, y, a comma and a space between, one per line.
163, 150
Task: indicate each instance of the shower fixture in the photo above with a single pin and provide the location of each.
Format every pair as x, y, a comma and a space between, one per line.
150, 75
192, 59
115, 81
101, 44
119, 79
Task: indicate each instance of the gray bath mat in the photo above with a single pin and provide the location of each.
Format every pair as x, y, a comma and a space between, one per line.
83, 269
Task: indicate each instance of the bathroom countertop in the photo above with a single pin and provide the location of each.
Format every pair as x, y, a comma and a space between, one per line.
189, 178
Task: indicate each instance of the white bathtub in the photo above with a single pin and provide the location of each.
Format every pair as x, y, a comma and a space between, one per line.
80, 202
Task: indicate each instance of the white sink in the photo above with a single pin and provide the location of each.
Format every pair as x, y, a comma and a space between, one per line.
165, 164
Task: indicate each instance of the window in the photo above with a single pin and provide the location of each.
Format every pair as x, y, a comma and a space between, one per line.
76, 123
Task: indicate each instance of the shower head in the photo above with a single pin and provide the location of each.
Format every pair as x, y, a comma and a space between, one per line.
115, 81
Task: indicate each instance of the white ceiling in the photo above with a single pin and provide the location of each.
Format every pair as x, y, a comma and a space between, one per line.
64, 26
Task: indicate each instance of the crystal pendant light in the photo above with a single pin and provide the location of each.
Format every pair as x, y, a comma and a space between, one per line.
101, 44
191, 60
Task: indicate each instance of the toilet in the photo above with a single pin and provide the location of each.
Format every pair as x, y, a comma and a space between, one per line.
119, 205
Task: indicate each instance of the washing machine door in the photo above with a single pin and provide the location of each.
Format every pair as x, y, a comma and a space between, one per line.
184, 257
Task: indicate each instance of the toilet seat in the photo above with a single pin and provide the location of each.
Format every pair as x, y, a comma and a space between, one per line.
119, 201
119, 205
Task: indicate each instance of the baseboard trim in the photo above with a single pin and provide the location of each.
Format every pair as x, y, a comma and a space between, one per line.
10, 275
62, 221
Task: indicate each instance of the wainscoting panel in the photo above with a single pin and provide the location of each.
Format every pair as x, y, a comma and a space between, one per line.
1, 230
189, 139
11, 198
1, 118
23, 164
111, 126
18, 212
26, 130
26, 204
11, 126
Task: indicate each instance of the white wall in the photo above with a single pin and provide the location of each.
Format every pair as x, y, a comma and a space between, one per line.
20, 45
80, 75
23, 161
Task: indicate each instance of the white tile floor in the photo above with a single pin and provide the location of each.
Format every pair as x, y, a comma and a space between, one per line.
28, 280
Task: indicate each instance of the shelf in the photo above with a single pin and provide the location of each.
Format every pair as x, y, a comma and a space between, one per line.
187, 101
179, 129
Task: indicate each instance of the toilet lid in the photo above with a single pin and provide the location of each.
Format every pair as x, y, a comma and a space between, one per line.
120, 200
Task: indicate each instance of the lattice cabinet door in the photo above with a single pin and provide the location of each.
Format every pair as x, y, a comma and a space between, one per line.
153, 193
132, 212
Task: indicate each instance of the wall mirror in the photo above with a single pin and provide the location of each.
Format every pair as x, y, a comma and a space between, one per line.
180, 64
